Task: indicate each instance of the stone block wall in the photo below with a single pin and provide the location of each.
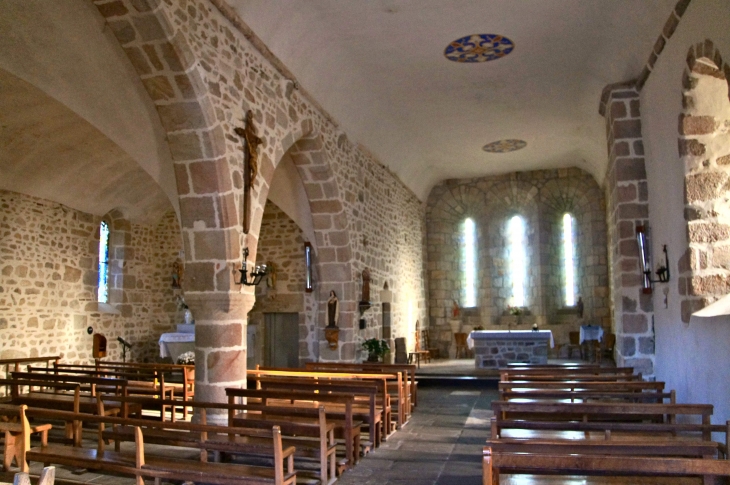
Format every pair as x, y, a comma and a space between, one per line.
627, 198
48, 278
704, 147
281, 242
542, 198
495, 354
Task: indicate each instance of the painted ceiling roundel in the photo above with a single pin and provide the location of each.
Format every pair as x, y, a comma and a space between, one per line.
479, 48
504, 146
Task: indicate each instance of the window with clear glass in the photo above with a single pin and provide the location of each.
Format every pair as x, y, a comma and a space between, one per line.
469, 264
103, 263
517, 256
569, 259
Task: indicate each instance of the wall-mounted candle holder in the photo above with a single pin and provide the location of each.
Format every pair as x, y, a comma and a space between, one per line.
662, 272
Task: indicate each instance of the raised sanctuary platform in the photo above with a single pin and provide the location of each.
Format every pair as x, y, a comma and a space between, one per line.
497, 348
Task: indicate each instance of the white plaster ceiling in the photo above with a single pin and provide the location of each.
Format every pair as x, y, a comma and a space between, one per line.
48, 151
378, 68
78, 126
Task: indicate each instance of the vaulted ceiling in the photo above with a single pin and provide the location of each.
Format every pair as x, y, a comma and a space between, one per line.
378, 67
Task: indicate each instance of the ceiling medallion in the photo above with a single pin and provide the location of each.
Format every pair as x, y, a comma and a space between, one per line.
479, 48
504, 146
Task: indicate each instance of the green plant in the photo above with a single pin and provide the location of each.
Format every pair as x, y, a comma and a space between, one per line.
376, 347
515, 310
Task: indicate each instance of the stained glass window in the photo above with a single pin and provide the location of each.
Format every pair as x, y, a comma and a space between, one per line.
103, 263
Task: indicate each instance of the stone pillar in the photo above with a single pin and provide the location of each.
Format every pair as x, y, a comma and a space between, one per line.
627, 204
220, 342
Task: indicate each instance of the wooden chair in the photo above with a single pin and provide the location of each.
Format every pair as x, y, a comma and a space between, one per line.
605, 347
574, 343
461, 346
433, 352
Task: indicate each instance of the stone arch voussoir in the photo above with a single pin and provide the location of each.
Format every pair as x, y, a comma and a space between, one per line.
170, 73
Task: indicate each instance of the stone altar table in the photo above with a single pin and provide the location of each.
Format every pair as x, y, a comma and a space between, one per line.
497, 348
174, 344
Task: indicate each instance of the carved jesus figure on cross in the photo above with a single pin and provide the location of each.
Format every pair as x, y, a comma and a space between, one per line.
250, 164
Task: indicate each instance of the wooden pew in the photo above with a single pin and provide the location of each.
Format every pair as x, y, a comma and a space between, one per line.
313, 439
17, 430
562, 373
365, 406
381, 379
407, 370
603, 386
586, 395
179, 376
566, 377
141, 464
301, 407
623, 460
599, 411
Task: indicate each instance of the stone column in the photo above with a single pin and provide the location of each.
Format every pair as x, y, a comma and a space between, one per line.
220, 342
627, 203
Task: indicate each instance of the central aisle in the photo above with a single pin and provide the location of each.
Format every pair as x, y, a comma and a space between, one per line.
442, 444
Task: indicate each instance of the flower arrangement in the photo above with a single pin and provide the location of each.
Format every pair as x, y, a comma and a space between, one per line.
188, 358
515, 310
376, 347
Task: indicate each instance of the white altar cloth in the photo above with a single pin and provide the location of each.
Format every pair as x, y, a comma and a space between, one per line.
591, 332
176, 343
514, 334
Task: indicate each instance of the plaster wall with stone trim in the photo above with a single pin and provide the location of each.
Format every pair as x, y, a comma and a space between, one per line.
690, 357
542, 197
48, 282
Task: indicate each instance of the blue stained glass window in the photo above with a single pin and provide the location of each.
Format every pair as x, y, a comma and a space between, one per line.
103, 263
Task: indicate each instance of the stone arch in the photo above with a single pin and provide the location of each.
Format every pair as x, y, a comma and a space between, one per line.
169, 71
704, 148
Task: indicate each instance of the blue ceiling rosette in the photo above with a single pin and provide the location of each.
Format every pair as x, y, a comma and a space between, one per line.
479, 48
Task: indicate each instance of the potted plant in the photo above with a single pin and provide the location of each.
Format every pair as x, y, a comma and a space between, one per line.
376, 348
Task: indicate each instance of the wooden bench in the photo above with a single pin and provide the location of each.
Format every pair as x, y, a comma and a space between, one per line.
314, 439
408, 372
301, 408
562, 373
381, 379
602, 386
141, 464
14, 424
586, 396
599, 411
605, 459
179, 376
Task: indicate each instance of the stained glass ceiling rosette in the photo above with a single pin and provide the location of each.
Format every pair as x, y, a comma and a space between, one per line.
479, 48
504, 146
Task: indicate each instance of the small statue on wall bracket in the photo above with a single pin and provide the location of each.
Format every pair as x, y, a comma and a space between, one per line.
455, 310
579, 307
177, 274
331, 331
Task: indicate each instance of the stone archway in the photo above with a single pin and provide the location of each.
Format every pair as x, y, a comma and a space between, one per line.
704, 148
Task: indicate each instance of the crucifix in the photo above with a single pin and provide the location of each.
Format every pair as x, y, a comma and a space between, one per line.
250, 165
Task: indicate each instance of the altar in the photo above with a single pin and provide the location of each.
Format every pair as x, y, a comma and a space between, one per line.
174, 344
497, 348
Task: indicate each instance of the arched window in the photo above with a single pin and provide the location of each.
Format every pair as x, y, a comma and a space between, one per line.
469, 264
569, 259
517, 256
103, 282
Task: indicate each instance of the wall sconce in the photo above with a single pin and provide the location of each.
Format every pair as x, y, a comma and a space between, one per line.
308, 283
256, 275
644, 257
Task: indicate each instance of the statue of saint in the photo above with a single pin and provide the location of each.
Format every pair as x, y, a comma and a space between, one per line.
366, 285
177, 274
333, 310
579, 307
455, 310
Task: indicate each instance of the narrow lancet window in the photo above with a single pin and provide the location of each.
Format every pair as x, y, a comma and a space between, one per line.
569, 259
517, 259
103, 263
469, 264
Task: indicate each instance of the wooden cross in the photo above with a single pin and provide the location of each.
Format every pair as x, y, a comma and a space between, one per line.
250, 165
